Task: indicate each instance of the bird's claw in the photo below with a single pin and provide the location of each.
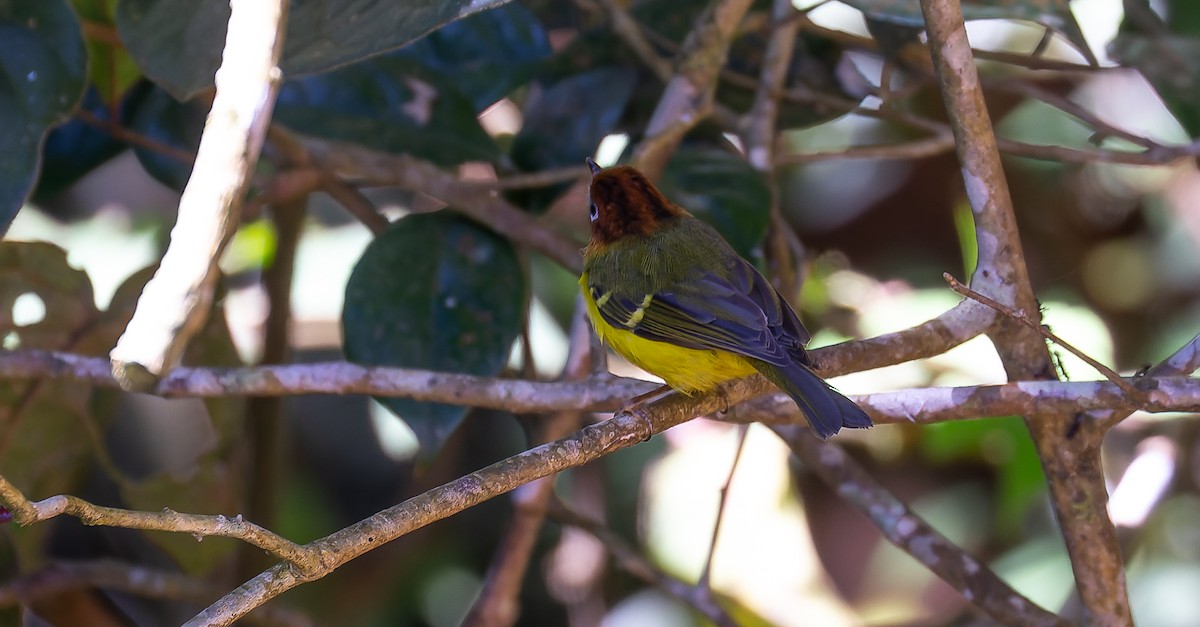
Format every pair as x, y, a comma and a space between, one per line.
642, 415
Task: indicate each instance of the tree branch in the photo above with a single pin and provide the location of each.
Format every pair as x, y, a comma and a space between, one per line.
1072, 464
688, 97
964, 572
175, 303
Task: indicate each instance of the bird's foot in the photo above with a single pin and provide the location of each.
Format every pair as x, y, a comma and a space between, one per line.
640, 414
637, 404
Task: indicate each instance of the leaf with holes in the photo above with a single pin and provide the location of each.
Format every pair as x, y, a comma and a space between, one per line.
437, 292
178, 42
205, 484
44, 304
44, 62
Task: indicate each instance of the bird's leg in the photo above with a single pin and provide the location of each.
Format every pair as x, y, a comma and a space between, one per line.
635, 405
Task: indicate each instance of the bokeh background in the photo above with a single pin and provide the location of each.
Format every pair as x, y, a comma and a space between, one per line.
1112, 250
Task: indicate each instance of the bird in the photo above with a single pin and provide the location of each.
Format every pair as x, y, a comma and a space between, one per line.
665, 291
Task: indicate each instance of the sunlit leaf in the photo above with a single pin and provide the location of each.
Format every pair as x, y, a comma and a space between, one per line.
110, 68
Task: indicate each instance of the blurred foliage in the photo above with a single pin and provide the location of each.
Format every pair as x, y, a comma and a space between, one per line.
518, 87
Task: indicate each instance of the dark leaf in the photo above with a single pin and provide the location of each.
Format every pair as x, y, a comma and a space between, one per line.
178, 42
153, 113
438, 292
488, 54
391, 104
565, 122
76, 148
43, 67
722, 189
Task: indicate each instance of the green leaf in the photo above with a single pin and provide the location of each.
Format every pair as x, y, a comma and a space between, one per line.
488, 54
178, 42
1172, 66
722, 189
1002, 442
391, 104
1055, 14
42, 74
435, 291
110, 68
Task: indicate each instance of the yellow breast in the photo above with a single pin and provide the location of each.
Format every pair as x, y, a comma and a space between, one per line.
685, 369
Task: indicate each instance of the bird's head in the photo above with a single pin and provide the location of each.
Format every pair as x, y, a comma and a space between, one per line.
623, 202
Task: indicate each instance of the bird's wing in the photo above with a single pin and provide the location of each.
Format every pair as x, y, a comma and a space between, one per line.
740, 313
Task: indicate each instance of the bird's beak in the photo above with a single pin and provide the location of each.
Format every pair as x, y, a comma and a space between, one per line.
592, 164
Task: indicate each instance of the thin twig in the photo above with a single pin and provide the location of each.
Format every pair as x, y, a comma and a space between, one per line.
634, 563
705, 582
26, 512
356, 165
134, 138
1041, 329
630, 32
606, 393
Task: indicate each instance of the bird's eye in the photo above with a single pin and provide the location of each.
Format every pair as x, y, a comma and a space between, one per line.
593, 212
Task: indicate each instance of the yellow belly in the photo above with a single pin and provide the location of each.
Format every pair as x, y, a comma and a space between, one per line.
685, 369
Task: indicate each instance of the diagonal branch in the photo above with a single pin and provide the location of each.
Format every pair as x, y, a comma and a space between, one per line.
689, 95
175, 303
903, 528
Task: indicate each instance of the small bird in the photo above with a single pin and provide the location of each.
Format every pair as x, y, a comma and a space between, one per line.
668, 293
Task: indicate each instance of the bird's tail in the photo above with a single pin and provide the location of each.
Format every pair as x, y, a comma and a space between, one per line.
825, 408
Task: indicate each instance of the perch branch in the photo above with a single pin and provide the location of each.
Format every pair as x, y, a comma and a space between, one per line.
607, 393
